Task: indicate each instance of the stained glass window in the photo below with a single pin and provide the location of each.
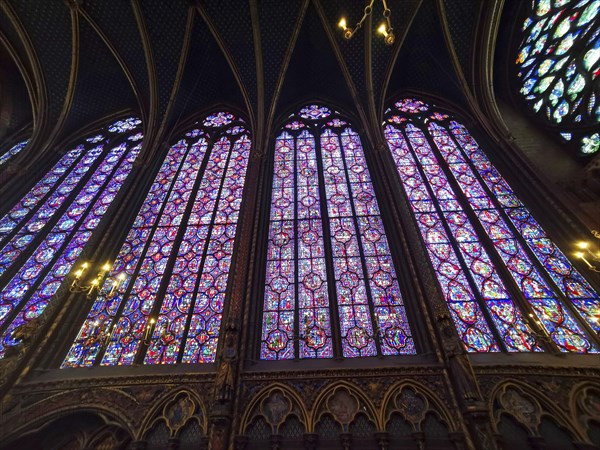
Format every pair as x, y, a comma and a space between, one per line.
43, 235
507, 285
331, 286
558, 67
176, 259
12, 151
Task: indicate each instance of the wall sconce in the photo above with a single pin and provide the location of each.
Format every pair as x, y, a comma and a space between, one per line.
588, 256
78, 286
148, 331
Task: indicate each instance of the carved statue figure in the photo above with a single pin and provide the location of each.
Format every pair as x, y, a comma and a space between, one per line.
459, 365
224, 384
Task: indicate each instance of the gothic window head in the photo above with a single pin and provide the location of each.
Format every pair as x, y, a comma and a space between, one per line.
331, 287
176, 259
507, 285
46, 232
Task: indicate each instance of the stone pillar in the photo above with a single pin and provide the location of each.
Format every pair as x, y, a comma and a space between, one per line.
137, 445
458, 439
419, 438
310, 441
240, 442
346, 440
383, 440
172, 444
466, 386
276, 441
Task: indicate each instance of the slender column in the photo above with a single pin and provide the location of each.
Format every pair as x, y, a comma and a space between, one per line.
228, 361
466, 387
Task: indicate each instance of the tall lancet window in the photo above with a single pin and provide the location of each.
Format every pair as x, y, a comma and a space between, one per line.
331, 287
176, 259
507, 285
559, 67
42, 236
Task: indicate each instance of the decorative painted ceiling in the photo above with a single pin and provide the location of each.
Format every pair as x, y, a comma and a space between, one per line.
78, 61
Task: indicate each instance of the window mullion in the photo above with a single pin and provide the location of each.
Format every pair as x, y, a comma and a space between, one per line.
69, 234
531, 256
132, 279
161, 291
451, 240
334, 320
374, 323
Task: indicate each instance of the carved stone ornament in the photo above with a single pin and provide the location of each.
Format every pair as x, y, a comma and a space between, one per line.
177, 414
275, 408
523, 409
343, 406
224, 383
590, 403
412, 406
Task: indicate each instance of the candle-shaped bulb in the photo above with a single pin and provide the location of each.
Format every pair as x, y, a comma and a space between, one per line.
342, 24
583, 245
78, 274
382, 29
106, 267
579, 255
84, 266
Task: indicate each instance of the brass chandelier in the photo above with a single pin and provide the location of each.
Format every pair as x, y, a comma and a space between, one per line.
385, 29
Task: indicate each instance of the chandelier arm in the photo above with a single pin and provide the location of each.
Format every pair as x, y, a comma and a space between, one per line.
367, 12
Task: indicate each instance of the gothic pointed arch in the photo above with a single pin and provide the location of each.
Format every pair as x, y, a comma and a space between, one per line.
163, 300
331, 287
506, 283
44, 234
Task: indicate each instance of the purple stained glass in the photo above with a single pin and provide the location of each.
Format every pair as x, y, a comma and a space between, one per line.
136, 137
130, 327
26, 295
20, 240
100, 319
445, 226
95, 139
561, 326
219, 119
196, 285
336, 123
121, 126
570, 282
12, 151
51, 283
411, 105
201, 345
314, 112
297, 308
466, 312
20, 211
295, 125
235, 130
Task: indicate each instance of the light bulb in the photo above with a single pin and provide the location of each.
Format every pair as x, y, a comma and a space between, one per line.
342, 23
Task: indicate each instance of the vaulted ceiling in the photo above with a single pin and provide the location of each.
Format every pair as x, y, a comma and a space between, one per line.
70, 63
